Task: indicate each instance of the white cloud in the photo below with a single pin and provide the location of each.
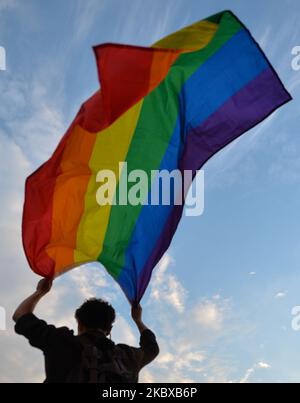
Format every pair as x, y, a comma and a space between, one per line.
250, 371
247, 375
165, 359
263, 365
146, 376
31, 118
90, 280
31, 123
183, 334
280, 295
122, 332
165, 287
14, 168
210, 314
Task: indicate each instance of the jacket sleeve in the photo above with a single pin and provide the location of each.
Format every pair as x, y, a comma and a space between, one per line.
136, 358
38, 332
149, 347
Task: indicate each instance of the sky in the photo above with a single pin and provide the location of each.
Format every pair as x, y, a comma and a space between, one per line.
221, 299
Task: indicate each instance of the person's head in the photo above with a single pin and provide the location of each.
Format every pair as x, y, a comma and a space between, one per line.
95, 314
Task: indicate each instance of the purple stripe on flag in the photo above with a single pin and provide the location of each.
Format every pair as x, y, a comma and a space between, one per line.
241, 112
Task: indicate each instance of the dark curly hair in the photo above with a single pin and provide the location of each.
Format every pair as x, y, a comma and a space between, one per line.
96, 314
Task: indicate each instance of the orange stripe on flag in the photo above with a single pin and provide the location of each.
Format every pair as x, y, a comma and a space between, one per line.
68, 201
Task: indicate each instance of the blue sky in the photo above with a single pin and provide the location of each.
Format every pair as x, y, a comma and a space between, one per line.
220, 301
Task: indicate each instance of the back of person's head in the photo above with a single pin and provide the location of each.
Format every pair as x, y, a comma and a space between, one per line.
96, 314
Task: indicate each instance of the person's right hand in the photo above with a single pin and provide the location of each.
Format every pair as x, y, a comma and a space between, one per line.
136, 312
44, 286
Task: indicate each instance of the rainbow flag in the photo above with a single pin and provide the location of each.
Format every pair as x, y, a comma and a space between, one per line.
169, 106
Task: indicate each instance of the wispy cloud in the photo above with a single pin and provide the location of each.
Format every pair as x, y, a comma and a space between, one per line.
250, 371
184, 334
85, 16
281, 295
209, 314
157, 23
165, 286
265, 38
30, 117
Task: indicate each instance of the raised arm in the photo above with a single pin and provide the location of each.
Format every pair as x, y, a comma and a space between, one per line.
136, 314
29, 304
149, 347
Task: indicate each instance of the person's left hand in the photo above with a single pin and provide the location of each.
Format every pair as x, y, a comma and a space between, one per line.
44, 285
136, 312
